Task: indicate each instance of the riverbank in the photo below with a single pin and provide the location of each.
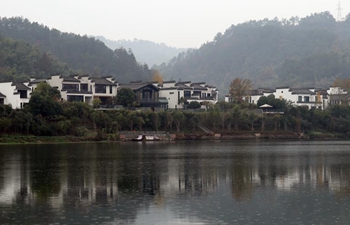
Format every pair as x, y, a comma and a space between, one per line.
24, 139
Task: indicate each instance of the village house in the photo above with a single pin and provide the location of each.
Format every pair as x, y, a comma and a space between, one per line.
147, 95
180, 93
310, 97
82, 88
14, 94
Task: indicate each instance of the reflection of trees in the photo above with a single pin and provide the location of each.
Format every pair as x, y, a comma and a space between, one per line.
45, 173
242, 177
197, 175
79, 182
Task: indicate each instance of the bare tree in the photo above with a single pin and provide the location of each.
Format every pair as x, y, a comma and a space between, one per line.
239, 88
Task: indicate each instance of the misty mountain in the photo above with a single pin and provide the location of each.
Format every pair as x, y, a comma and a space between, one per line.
81, 53
310, 51
147, 52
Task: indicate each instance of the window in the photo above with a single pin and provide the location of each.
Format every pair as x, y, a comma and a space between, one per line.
110, 89
300, 98
187, 94
100, 88
84, 87
23, 94
73, 98
171, 93
198, 93
306, 99
146, 95
70, 87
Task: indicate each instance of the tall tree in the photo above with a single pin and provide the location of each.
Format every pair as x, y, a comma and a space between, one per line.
239, 88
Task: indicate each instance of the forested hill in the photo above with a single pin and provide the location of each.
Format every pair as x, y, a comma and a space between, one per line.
84, 54
145, 51
310, 51
20, 60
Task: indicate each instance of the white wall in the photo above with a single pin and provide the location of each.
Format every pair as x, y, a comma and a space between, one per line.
8, 90
172, 96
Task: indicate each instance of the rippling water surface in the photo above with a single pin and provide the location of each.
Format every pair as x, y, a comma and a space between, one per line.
209, 182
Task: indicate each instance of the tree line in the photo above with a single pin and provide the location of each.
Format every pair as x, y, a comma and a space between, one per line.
82, 54
46, 115
298, 52
20, 60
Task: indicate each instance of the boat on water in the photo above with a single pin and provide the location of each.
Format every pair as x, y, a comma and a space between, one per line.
146, 137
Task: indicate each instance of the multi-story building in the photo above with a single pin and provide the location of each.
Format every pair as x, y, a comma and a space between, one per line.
14, 94
147, 95
82, 88
178, 93
311, 97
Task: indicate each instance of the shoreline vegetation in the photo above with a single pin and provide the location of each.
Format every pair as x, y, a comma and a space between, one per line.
46, 119
239, 136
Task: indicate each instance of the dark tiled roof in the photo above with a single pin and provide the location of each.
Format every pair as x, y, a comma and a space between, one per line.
197, 86
21, 86
102, 81
37, 81
182, 86
70, 79
138, 86
169, 81
302, 91
169, 88
2, 95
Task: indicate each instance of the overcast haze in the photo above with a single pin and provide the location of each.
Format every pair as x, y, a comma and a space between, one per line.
180, 23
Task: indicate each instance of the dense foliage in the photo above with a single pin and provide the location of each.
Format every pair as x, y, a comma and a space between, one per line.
310, 51
84, 54
20, 60
45, 115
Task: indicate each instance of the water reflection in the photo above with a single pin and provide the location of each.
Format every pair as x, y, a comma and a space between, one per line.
189, 182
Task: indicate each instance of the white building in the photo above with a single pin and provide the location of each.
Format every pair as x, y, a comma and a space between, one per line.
178, 92
14, 94
310, 97
82, 88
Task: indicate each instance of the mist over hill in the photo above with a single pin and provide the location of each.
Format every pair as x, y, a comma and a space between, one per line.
147, 52
81, 53
310, 51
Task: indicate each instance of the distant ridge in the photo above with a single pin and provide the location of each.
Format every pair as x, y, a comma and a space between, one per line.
310, 51
81, 53
145, 51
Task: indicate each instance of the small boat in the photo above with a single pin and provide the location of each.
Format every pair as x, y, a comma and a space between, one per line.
146, 137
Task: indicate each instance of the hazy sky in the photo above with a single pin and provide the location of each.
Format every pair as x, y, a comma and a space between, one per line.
179, 23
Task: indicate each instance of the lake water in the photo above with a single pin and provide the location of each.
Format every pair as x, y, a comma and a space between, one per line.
199, 182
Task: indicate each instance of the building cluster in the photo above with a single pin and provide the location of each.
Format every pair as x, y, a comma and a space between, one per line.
84, 88
310, 97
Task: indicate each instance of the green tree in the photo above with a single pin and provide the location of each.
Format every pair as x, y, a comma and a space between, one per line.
45, 101
194, 105
179, 118
126, 97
